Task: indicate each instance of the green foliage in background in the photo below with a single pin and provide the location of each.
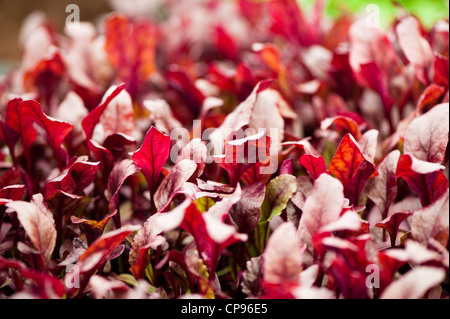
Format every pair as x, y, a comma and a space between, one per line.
428, 11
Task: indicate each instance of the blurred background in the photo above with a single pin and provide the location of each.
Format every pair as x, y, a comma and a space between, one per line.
13, 12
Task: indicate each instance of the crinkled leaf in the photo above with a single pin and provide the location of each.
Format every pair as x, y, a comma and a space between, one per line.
75, 179
427, 136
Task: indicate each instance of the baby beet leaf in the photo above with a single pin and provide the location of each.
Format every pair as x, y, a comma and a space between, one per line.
350, 166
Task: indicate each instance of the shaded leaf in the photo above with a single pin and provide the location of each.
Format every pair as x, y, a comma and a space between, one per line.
39, 227
382, 189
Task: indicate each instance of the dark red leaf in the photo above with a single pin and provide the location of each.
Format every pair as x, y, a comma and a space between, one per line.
99, 251
56, 130
119, 174
48, 287
441, 66
75, 179
423, 177
392, 223
245, 214
173, 183
13, 192
91, 120
91, 228
152, 156
211, 235
382, 189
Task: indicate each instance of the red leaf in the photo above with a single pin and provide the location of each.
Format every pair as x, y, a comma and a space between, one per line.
225, 44
441, 66
13, 192
119, 174
91, 120
414, 284
91, 228
152, 155
38, 226
289, 21
241, 116
318, 213
211, 235
99, 251
243, 153
147, 237
173, 182
382, 189
430, 96
351, 282
415, 47
18, 126
426, 137
118, 116
314, 164
432, 222
286, 167
56, 130
179, 80
245, 213
350, 166
47, 286
392, 223
423, 177
343, 123
75, 180
283, 256
130, 45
